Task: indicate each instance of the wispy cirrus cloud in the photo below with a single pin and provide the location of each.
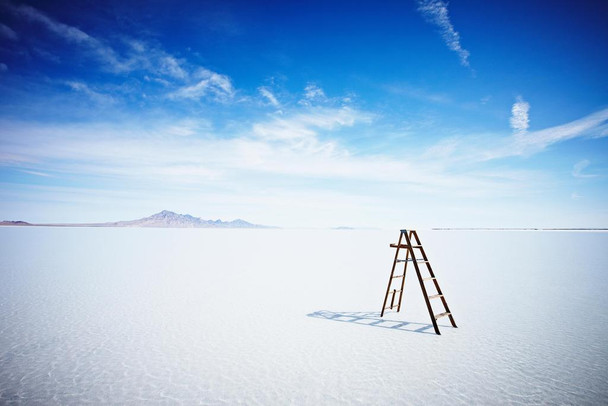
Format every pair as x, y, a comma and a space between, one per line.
268, 95
594, 125
8, 33
36, 173
520, 120
187, 127
94, 95
186, 80
313, 94
475, 148
579, 168
436, 12
68, 32
206, 83
142, 56
301, 131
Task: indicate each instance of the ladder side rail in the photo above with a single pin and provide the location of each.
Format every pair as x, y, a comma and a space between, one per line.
424, 294
424, 257
428, 264
390, 278
407, 255
442, 297
407, 259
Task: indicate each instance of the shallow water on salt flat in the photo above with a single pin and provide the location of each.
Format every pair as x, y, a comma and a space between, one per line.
147, 316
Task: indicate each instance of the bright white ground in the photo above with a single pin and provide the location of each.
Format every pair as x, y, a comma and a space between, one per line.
276, 317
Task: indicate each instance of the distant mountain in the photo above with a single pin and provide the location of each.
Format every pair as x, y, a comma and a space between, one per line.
14, 223
169, 219
164, 219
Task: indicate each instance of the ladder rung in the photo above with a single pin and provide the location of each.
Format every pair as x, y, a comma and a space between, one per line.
438, 316
398, 276
420, 261
405, 246
395, 291
428, 279
435, 296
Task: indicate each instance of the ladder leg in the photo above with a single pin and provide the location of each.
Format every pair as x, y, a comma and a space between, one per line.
428, 264
390, 278
426, 297
407, 255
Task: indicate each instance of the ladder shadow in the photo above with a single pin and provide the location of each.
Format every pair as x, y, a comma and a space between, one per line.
373, 319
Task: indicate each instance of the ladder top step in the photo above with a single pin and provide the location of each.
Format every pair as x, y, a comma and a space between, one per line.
405, 246
438, 316
435, 296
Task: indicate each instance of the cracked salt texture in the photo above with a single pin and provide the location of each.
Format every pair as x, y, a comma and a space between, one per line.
162, 316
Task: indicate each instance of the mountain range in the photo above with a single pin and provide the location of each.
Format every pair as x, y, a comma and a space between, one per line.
164, 219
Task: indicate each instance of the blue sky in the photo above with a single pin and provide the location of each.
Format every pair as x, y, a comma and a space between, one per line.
392, 114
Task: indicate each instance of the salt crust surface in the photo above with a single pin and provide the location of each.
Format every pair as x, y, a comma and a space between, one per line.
195, 316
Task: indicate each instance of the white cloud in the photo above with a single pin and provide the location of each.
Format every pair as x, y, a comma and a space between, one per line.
7, 32
180, 79
138, 55
519, 116
314, 95
592, 126
297, 148
145, 57
171, 67
313, 92
68, 32
95, 96
36, 173
264, 165
301, 131
75, 35
575, 196
267, 94
467, 149
443, 149
187, 127
579, 167
207, 83
436, 12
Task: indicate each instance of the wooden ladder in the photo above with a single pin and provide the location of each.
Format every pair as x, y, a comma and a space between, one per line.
405, 242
